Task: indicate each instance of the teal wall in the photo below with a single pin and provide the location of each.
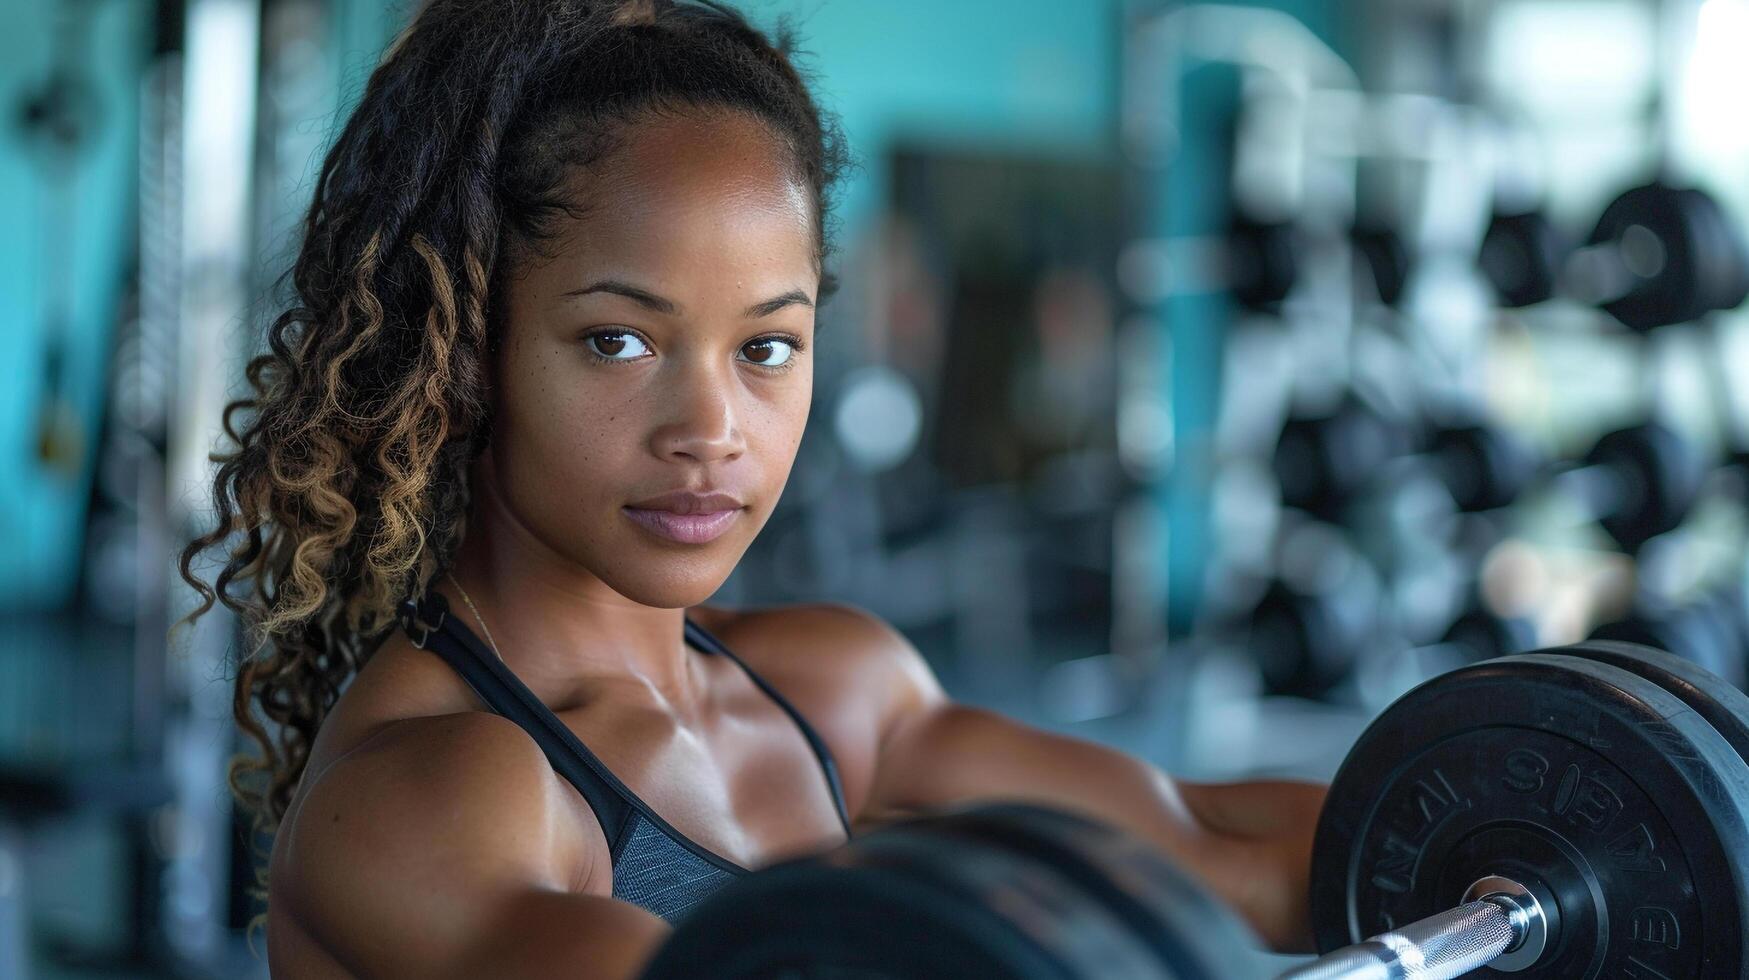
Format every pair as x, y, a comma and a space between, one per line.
42, 510
1034, 74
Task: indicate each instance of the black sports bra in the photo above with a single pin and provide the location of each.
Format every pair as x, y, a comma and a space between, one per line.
654, 865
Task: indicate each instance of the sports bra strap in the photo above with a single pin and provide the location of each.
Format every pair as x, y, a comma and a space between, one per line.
698, 636
431, 627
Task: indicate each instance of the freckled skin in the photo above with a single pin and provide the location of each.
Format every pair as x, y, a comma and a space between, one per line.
700, 210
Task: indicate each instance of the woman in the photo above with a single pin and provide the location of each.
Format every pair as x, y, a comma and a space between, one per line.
546, 380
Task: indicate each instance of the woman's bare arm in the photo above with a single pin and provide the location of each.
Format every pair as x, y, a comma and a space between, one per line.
1250, 842
443, 847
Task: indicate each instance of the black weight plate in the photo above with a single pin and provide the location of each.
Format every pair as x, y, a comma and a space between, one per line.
805, 919
1193, 934
1385, 256
1483, 466
1723, 706
900, 903
1723, 276
1600, 791
1323, 462
1085, 935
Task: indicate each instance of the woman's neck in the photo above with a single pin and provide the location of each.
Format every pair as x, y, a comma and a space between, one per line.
562, 630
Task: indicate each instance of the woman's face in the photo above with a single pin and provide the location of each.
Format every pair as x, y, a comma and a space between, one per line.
666, 345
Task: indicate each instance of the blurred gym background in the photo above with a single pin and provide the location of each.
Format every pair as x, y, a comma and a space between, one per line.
1204, 377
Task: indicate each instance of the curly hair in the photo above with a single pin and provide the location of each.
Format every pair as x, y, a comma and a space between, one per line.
346, 489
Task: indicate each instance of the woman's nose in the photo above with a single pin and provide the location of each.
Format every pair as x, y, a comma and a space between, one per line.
702, 421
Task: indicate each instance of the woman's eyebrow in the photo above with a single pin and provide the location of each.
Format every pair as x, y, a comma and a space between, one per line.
668, 307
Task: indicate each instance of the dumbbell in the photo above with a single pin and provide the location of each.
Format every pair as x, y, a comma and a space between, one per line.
1637, 482
1383, 254
1014, 892
1521, 256
1575, 812
1658, 255
1325, 462
1006, 891
1263, 261
1661, 255
1316, 617
1307, 643
1482, 634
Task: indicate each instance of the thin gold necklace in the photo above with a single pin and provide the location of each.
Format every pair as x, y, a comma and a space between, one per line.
477, 617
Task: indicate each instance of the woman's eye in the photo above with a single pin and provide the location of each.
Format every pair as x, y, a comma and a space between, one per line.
617, 345
769, 351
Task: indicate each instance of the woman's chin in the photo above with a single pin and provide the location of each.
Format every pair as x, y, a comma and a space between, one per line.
667, 588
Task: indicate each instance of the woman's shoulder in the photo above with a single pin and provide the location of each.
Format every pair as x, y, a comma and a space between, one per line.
397, 684
408, 741
420, 822
407, 720
825, 636
841, 655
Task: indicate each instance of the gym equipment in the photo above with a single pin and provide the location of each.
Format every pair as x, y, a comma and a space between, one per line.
1724, 707
1638, 482
1016, 891
1305, 644
1483, 466
1521, 257
1323, 462
1483, 635
1610, 798
1581, 811
1661, 255
1658, 255
1382, 252
1706, 632
1006, 890
1262, 262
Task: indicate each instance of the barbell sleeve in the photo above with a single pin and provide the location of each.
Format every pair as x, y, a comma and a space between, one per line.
1504, 918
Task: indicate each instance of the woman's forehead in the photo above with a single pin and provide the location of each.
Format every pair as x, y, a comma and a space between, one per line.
674, 166
707, 205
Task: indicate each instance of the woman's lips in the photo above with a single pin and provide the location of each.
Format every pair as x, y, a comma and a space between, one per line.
684, 528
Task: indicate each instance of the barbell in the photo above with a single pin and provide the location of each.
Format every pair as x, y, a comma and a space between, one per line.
1575, 812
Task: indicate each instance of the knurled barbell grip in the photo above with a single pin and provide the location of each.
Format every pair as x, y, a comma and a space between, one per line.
1439, 947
